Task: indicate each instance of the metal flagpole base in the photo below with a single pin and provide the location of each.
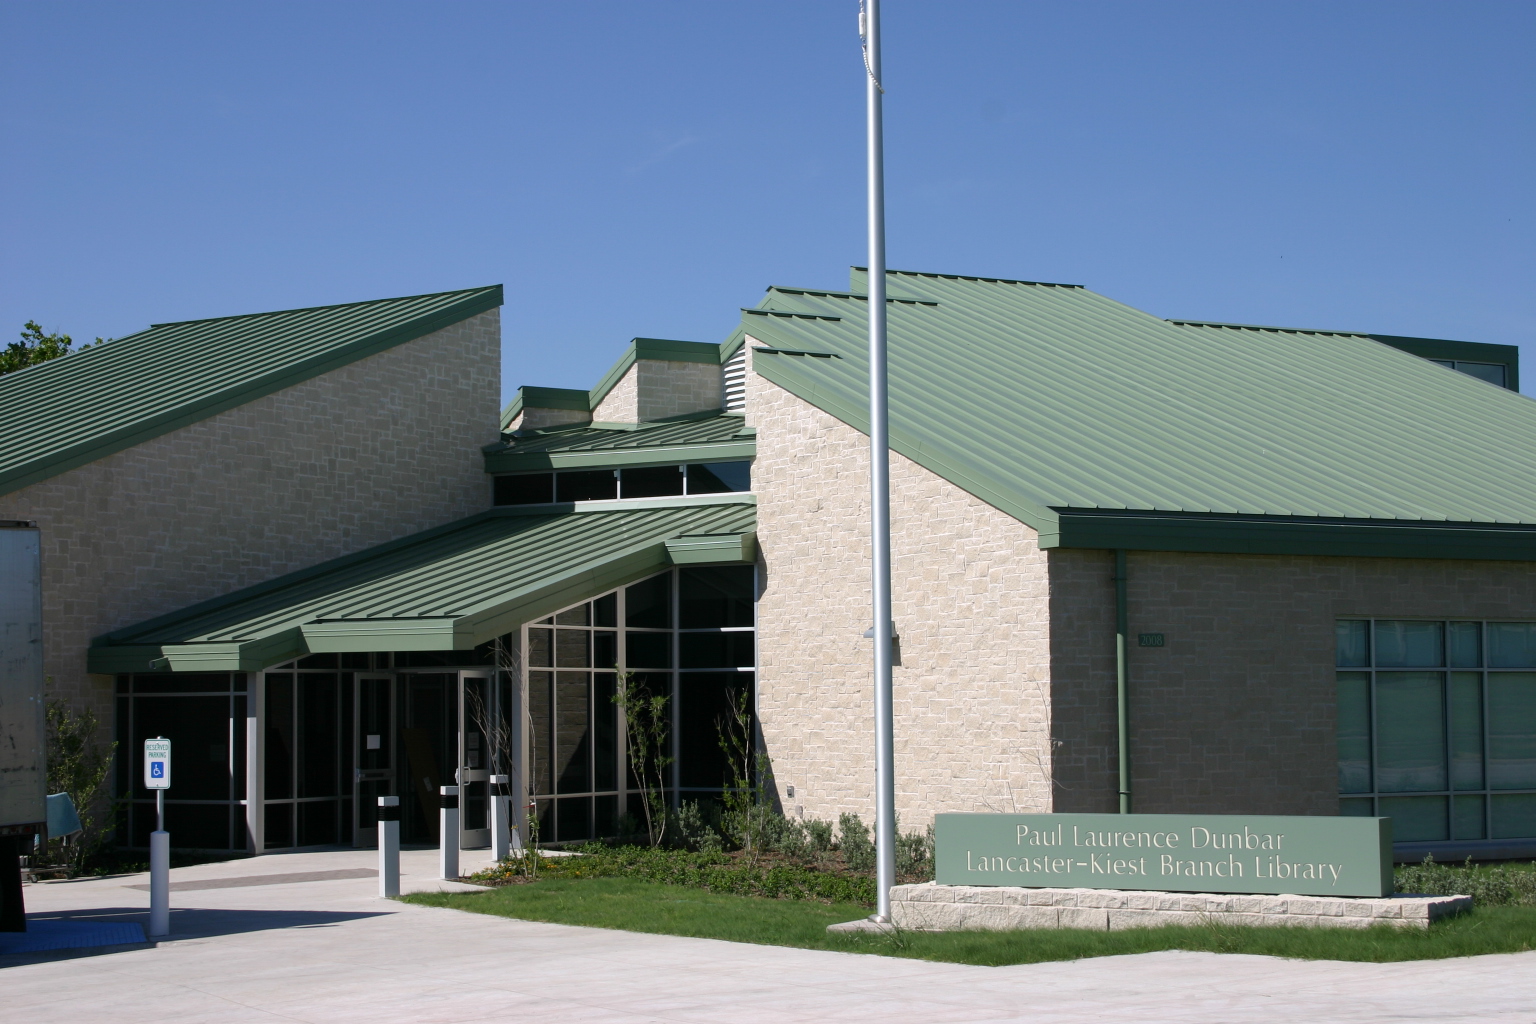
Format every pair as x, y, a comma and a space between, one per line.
869, 924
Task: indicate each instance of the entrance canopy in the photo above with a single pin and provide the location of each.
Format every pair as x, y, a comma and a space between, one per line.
451, 588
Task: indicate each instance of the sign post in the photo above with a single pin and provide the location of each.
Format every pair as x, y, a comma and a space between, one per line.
157, 777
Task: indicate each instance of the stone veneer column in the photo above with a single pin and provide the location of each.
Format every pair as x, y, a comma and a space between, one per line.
971, 605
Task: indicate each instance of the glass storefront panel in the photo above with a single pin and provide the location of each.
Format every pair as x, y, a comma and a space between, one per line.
1410, 732
1415, 819
1409, 643
1512, 730
584, 782
1354, 732
1449, 750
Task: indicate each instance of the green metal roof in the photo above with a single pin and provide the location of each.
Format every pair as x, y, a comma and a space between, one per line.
85, 406
1103, 426
709, 437
1507, 356
451, 588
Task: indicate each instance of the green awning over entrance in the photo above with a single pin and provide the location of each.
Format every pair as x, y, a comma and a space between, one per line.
451, 588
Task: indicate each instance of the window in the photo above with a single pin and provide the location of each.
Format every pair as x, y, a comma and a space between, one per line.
1437, 726
687, 633
1493, 373
630, 482
203, 715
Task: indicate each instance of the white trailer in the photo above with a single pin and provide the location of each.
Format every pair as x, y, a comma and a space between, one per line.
23, 739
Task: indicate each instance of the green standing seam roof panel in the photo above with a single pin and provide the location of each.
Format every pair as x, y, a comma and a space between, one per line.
712, 437
90, 404
1507, 356
1045, 400
451, 588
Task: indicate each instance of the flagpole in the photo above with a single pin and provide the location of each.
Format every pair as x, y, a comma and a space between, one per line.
879, 477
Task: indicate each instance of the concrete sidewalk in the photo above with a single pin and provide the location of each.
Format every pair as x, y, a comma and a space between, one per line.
302, 937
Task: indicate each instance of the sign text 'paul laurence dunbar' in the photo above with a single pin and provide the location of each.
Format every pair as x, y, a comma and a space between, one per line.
1172, 852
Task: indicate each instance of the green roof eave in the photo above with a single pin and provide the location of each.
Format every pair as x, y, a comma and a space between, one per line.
723, 451
484, 605
110, 441
1139, 530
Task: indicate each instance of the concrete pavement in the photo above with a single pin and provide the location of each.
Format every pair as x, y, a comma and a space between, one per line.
253, 943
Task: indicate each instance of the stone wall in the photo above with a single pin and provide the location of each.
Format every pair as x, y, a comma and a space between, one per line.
971, 608
653, 389
371, 451
538, 419
1236, 714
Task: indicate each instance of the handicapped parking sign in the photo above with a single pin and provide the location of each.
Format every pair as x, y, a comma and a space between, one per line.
157, 763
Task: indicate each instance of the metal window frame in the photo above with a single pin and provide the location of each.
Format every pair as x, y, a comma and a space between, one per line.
674, 673
1484, 671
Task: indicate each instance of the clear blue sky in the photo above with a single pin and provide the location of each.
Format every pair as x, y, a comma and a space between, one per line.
645, 168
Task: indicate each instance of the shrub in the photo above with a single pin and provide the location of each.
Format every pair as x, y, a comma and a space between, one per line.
1489, 885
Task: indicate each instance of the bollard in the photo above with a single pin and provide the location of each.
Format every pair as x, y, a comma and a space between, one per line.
501, 846
389, 846
448, 832
159, 883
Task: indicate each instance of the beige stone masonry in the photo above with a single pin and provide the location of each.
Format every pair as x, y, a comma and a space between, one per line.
366, 453
932, 907
538, 419
971, 607
653, 389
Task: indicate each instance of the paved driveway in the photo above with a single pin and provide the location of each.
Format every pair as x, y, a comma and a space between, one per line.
326, 949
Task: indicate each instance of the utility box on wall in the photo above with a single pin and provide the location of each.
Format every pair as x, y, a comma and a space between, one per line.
23, 741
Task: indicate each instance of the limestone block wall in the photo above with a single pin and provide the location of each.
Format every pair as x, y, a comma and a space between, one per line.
538, 419
1236, 714
371, 451
971, 607
653, 389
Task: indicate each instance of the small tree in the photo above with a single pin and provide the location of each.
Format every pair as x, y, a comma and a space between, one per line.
79, 766
498, 732
745, 798
37, 346
647, 730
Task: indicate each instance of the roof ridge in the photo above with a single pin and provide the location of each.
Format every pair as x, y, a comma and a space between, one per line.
316, 309
1179, 321
973, 277
909, 299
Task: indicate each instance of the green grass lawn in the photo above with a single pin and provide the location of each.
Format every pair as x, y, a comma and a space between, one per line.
638, 906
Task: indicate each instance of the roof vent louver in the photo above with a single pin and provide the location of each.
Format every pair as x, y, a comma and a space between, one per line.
733, 380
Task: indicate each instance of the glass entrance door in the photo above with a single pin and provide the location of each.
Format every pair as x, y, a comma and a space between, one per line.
373, 776
475, 717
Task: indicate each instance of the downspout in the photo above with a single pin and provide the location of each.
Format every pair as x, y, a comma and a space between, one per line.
1122, 702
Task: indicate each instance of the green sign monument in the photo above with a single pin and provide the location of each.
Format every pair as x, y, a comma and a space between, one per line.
1236, 853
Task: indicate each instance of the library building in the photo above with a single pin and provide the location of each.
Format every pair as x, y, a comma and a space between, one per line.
313, 549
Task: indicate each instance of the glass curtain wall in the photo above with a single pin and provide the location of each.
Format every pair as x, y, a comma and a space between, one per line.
309, 754
686, 634
203, 715
1437, 727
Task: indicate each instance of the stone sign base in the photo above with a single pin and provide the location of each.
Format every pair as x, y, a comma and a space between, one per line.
944, 908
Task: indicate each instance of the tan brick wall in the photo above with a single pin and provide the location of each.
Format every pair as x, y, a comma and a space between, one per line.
538, 419
970, 603
1236, 713
371, 451
654, 389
